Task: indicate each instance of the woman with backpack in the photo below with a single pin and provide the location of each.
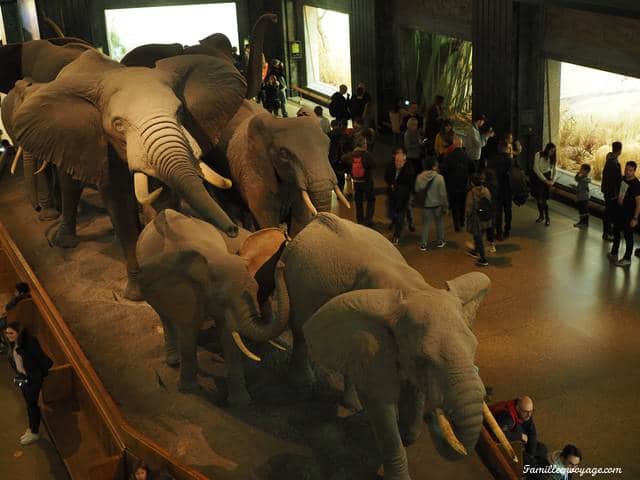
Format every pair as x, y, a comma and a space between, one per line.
479, 217
31, 365
362, 165
542, 179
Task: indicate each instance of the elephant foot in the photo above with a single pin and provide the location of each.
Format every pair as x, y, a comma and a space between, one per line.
132, 291
47, 214
238, 397
188, 387
64, 240
172, 359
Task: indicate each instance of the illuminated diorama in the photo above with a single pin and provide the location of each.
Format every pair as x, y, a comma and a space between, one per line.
328, 52
185, 24
596, 109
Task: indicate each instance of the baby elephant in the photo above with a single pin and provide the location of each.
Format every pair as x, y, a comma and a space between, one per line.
188, 274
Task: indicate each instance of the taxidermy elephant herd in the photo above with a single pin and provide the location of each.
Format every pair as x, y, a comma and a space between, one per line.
155, 128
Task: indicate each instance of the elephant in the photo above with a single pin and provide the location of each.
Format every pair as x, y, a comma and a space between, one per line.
188, 272
279, 166
358, 308
99, 120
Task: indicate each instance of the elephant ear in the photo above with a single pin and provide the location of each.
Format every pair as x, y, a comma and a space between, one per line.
260, 246
471, 289
61, 125
176, 281
353, 334
212, 90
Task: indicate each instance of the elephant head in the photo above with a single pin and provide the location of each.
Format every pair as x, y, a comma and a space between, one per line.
381, 338
40, 60
182, 252
293, 153
96, 103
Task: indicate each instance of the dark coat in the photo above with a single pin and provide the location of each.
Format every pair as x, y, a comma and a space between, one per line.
367, 161
339, 107
36, 362
513, 426
611, 177
399, 189
456, 168
501, 163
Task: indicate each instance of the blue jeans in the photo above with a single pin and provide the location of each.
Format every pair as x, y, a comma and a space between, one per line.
432, 214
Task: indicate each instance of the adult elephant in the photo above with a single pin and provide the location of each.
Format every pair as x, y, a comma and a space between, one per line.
187, 273
279, 166
99, 120
357, 307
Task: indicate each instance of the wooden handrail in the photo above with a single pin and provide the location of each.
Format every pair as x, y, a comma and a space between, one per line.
126, 438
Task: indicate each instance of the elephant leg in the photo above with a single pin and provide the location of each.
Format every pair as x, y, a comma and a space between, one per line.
43, 193
188, 344
382, 417
28, 169
411, 410
118, 197
71, 191
233, 357
351, 399
170, 342
300, 373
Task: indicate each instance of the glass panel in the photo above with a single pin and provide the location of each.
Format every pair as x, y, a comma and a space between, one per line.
327, 49
596, 108
128, 28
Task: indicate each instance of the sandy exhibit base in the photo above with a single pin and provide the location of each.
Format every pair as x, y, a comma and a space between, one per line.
282, 435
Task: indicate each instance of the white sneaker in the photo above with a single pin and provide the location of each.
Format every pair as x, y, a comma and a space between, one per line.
441, 244
27, 432
28, 438
492, 248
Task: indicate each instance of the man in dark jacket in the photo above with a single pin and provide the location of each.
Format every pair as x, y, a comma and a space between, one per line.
339, 107
400, 178
456, 168
610, 186
515, 418
340, 144
501, 164
31, 365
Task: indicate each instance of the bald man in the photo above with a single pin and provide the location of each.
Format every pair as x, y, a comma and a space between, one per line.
515, 418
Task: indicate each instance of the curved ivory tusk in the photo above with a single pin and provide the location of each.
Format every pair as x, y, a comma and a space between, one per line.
141, 186
243, 348
497, 431
447, 432
341, 198
54, 26
14, 164
277, 345
307, 201
42, 167
214, 178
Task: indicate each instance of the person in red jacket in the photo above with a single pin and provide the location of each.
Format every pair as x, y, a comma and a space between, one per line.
515, 418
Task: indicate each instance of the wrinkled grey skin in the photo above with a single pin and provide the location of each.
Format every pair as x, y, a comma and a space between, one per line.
99, 120
271, 160
357, 307
188, 273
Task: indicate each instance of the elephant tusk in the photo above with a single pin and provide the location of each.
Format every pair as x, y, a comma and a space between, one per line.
141, 186
307, 201
447, 432
341, 198
243, 348
14, 164
41, 169
277, 345
497, 431
214, 178
54, 26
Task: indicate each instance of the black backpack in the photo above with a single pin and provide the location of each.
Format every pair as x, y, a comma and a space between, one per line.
484, 209
334, 109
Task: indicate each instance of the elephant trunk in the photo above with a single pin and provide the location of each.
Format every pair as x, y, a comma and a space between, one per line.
321, 198
464, 400
250, 324
170, 154
254, 70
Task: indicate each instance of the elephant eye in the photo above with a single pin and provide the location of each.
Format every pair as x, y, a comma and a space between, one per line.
119, 125
284, 154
